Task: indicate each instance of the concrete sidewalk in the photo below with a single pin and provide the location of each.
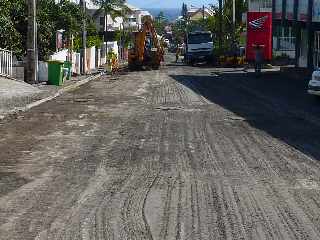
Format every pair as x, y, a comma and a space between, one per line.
18, 96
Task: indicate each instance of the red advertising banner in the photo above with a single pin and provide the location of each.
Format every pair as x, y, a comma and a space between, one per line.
259, 27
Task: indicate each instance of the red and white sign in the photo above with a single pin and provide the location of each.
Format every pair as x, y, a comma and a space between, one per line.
259, 33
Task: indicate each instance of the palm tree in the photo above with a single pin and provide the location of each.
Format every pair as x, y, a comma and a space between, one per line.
114, 8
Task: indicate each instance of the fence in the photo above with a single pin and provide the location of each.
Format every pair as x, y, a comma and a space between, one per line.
284, 43
5, 63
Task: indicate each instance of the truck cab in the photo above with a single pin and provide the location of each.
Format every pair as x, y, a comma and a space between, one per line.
199, 47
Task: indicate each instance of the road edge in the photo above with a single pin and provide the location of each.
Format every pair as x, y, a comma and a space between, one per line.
61, 91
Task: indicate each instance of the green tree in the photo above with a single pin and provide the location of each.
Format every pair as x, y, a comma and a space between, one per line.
161, 17
184, 11
51, 16
179, 29
227, 24
160, 23
13, 25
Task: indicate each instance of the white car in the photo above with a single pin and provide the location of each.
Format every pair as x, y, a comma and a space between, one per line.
314, 84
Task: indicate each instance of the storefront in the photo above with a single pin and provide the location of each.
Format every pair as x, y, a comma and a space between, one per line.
297, 31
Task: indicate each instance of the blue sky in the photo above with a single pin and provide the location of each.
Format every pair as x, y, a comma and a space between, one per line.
168, 3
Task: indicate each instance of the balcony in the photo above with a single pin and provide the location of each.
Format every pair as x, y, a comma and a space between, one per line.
260, 6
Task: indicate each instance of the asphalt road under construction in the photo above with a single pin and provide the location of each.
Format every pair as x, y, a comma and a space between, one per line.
190, 153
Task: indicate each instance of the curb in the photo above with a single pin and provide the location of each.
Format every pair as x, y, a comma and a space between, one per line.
47, 99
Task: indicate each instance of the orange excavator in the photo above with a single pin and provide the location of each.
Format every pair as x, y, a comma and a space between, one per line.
147, 51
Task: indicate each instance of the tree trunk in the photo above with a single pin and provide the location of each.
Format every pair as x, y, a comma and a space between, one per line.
106, 27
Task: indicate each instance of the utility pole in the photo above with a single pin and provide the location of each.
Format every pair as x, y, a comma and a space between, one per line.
234, 19
203, 12
31, 66
84, 39
220, 24
234, 13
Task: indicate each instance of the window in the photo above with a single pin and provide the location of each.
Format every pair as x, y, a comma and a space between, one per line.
289, 9
316, 11
102, 21
284, 39
303, 11
260, 5
278, 9
199, 38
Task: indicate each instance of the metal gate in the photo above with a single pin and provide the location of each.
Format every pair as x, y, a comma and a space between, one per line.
5, 63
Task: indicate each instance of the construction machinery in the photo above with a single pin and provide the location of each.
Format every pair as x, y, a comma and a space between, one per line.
147, 51
198, 47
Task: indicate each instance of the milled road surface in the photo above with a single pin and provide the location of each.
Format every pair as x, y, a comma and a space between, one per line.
181, 153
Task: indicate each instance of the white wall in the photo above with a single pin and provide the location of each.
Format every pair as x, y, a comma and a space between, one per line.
60, 56
76, 63
43, 71
91, 58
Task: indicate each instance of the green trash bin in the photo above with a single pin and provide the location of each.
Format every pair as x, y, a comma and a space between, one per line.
68, 65
55, 72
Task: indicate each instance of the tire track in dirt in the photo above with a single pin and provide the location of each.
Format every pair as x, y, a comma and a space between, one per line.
180, 173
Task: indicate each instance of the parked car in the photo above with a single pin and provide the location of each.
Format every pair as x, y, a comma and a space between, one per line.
314, 84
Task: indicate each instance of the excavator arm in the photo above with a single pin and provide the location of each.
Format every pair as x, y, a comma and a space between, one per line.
137, 55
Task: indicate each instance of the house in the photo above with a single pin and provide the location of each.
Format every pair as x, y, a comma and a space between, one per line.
133, 20
103, 23
195, 14
296, 29
297, 26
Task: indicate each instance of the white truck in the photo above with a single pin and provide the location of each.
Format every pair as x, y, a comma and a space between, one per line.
198, 47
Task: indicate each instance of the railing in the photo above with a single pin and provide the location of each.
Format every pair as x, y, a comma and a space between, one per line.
284, 43
260, 5
288, 43
5, 63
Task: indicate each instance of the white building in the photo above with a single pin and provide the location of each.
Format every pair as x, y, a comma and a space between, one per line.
196, 13
107, 23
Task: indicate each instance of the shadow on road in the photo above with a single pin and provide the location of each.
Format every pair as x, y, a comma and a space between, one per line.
274, 103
